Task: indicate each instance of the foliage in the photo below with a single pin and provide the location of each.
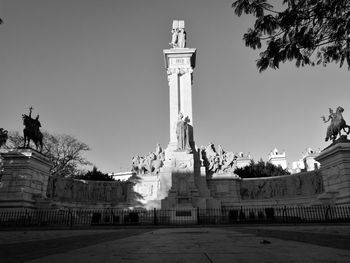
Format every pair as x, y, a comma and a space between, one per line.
260, 169
65, 152
95, 175
309, 32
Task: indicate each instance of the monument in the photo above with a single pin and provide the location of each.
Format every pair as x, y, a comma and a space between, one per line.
26, 171
335, 160
182, 184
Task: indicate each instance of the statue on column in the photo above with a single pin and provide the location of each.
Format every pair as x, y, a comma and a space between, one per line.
337, 124
178, 34
181, 39
174, 37
32, 131
183, 134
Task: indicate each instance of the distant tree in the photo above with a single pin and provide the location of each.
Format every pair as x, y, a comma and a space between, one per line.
307, 31
65, 152
95, 175
260, 169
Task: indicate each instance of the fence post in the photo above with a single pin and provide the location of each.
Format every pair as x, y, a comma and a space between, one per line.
198, 216
155, 216
326, 214
70, 218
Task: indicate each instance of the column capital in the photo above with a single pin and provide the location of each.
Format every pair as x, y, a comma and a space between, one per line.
179, 71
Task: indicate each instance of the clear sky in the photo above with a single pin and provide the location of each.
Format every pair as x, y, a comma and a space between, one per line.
95, 69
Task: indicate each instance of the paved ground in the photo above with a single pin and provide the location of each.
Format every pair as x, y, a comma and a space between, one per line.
320, 243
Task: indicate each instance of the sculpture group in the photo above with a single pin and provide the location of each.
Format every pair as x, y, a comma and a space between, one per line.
337, 124
150, 163
218, 161
178, 38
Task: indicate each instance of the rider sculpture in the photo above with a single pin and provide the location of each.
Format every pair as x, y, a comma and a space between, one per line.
337, 124
32, 131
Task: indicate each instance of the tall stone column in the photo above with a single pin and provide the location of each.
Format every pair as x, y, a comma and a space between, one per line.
179, 63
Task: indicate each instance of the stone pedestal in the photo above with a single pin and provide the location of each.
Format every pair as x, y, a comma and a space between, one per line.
25, 178
148, 187
186, 188
183, 191
335, 169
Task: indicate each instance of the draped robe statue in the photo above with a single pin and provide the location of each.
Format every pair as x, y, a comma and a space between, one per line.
183, 134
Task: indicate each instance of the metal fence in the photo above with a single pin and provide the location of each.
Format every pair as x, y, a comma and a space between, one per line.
234, 215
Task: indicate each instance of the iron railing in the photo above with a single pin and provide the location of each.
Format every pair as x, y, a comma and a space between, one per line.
234, 215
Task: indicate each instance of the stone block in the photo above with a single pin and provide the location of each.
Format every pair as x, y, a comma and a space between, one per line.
26, 174
335, 169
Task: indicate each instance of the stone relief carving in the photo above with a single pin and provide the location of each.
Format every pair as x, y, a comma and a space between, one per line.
179, 71
309, 183
217, 161
70, 190
150, 163
337, 124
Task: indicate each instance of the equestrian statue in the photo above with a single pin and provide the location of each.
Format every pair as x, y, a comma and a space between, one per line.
32, 131
337, 124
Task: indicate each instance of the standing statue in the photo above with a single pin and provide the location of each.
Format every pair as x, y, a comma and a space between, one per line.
182, 134
181, 38
174, 37
3, 136
337, 124
32, 131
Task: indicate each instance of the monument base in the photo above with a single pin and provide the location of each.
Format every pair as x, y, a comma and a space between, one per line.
24, 179
183, 186
183, 216
335, 169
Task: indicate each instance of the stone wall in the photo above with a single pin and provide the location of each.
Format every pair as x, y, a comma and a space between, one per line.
69, 190
301, 184
298, 189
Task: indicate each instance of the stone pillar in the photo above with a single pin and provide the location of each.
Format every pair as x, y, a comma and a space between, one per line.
335, 169
179, 63
25, 178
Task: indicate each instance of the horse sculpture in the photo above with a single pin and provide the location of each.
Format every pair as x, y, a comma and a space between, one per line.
337, 125
32, 132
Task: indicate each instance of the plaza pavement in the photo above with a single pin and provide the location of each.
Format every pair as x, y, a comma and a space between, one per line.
241, 243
